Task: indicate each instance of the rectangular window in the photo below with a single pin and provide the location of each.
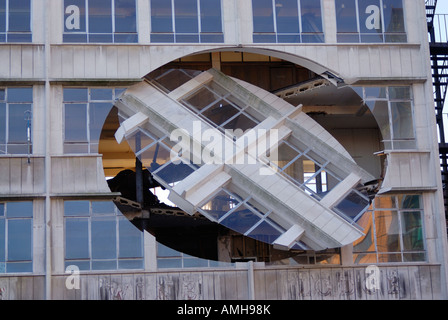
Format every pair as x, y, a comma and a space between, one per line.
85, 111
370, 21
186, 21
99, 237
392, 108
15, 21
393, 228
287, 21
100, 21
16, 106
16, 234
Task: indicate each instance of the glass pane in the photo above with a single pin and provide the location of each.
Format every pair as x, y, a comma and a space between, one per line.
220, 112
186, 15
412, 228
75, 122
284, 154
211, 16
380, 111
402, 120
263, 15
130, 264
98, 115
370, 16
76, 238
101, 94
353, 204
399, 93
241, 122
366, 242
100, 16
19, 267
19, 239
161, 16
20, 95
17, 122
155, 156
409, 201
311, 16
385, 202
265, 232
287, 14
393, 16
130, 240
19, 15
104, 239
220, 204
2, 123
2, 15
2, 241
125, 16
173, 173
2, 210
76, 95
202, 99
104, 265
241, 220
164, 251
346, 16
387, 231
139, 140
103, 207
76, 208
19, 209
75, 16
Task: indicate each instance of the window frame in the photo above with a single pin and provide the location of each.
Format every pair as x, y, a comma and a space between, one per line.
301, 35
90, 218
174, 36
4, 216
8, 34
88, 35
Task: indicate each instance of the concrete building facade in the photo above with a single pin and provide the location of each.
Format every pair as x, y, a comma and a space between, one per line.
331, 188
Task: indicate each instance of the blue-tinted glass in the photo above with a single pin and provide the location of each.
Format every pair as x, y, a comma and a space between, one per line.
212, 38
162, 38
370, 16
2, 94
2, 241
75, 38
241, 219
352, 205
164, 251
186, 15
393, 16
19, 209
19, 15
130, 240
346, 16
76, 238
169, 263
195, 263
19, 239
19, 37
125, 16
287, 16
101, 94
211, 16
98, 115
104, 238
161, 17
2, 210
311, 16
103, 207
2, 15
75, 122
265, 232
19, 267
100, 16
130, 264
2, 123
173, 173
263, 15
75, 16
76, 208
17, 122
76, 95
101, 38
125, 38
81, 264
20, 94
104, 265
